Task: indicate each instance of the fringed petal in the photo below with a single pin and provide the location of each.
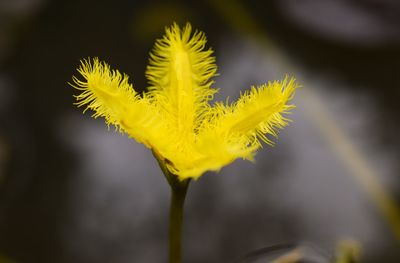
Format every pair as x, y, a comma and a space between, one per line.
179, 73
108, 94
258, 112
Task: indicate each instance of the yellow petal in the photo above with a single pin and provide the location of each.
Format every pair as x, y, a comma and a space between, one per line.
108, 93
179, 73
105, 91
258, 112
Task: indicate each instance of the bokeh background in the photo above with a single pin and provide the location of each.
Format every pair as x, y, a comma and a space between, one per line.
73, 191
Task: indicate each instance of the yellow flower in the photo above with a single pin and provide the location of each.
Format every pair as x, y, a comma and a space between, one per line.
174, 118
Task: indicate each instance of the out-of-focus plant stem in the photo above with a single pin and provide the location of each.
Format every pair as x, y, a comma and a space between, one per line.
241, 20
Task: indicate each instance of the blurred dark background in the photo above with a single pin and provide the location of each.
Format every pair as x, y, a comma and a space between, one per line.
72, 191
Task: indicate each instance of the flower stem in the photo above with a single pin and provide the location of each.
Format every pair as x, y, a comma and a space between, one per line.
178, 195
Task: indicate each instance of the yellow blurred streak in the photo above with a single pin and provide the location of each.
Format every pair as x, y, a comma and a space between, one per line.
348, 251
237, 16
291, 257
234, 13
150, 22
353, 158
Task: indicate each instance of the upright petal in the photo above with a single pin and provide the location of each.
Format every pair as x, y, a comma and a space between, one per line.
179, 73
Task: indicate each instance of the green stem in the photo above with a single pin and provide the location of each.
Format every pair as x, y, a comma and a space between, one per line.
178, 194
